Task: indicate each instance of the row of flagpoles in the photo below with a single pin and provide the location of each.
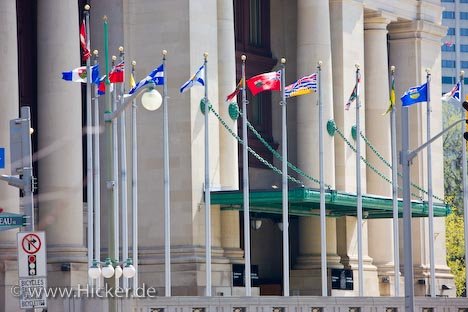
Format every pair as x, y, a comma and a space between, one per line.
271, 81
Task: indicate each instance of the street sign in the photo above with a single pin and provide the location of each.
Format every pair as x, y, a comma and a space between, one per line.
32, 269
10, 221
2, 158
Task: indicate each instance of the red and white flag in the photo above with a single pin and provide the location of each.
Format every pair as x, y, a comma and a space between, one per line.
117, 73
84, 45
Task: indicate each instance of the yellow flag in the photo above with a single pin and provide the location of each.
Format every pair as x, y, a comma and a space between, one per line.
132, 81
392, 97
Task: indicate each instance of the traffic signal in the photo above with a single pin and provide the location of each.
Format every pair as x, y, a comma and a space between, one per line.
32, 265
465, 106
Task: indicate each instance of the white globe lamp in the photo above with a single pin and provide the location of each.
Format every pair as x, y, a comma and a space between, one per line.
151, 100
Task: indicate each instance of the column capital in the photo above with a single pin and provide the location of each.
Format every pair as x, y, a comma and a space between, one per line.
377, 20
417, 29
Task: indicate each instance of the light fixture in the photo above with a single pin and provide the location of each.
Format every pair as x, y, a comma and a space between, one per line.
256, 224
151, 100
446, 287
129, 270
107, 270
94, 271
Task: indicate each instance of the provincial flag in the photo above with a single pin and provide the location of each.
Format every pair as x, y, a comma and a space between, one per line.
117, 73
304, 85
102, 85
232, 95
197, 79
353, 95
452, 94
79, 74
156, 77
392, 97
83, 41
132, 81
263, 82
415, 95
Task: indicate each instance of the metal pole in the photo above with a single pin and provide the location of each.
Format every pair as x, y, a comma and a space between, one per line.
429, 186
134, 189
396, 238
97, 178
245, 181
115, 171
207, 185
407, 226
323, 222
167, 186
89, 150
123, 173
464, 179
358, 187
284, 148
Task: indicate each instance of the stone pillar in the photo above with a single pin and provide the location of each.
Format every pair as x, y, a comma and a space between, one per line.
60, 177
9, 195
311, 48
378, 132
347, 35
415, 46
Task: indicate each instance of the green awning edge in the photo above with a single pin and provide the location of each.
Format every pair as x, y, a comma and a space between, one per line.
306, 202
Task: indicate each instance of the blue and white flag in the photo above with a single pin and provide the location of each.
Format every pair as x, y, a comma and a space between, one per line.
415, 95
452, 94
197, 79
156, 77
79, 74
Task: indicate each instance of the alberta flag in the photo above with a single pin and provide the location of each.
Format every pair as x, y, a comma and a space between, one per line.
79, 74
415, 95
452, 94
197, 79
156, 77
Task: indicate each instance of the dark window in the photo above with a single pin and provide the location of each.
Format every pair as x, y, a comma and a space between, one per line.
463, 1
448, 48
448, 64
252, 30
448, 1
451, 31
464, 15
450, 14
464, 48
464, 64
448, 80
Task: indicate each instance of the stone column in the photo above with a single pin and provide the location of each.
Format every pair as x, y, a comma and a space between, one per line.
415, 46
378, 132
229, 171
9, 195
59, 133
311, 48
347, 35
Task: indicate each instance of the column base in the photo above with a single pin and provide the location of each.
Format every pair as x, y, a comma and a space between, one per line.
445, 283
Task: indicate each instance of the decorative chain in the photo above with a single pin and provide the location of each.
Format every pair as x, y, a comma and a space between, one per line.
261, 159
368, 143
279, 157
367, 162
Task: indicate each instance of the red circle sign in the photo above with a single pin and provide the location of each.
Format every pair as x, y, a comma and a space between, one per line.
31, 244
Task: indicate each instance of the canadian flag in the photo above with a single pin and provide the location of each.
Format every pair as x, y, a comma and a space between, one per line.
84, 45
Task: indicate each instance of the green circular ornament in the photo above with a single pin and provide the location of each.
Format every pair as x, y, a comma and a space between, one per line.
202, 104
353, 132
233, 111
331, 127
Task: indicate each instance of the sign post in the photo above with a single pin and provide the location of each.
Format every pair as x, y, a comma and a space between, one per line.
32, 270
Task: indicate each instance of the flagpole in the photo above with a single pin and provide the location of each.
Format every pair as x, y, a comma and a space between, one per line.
89, 149
464, 178
396, 242
115, 162
207, 185
358, 186
97, 178
134, 189
285, 184
123, 172
245, 181
323, 222
167, 185
429, 186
